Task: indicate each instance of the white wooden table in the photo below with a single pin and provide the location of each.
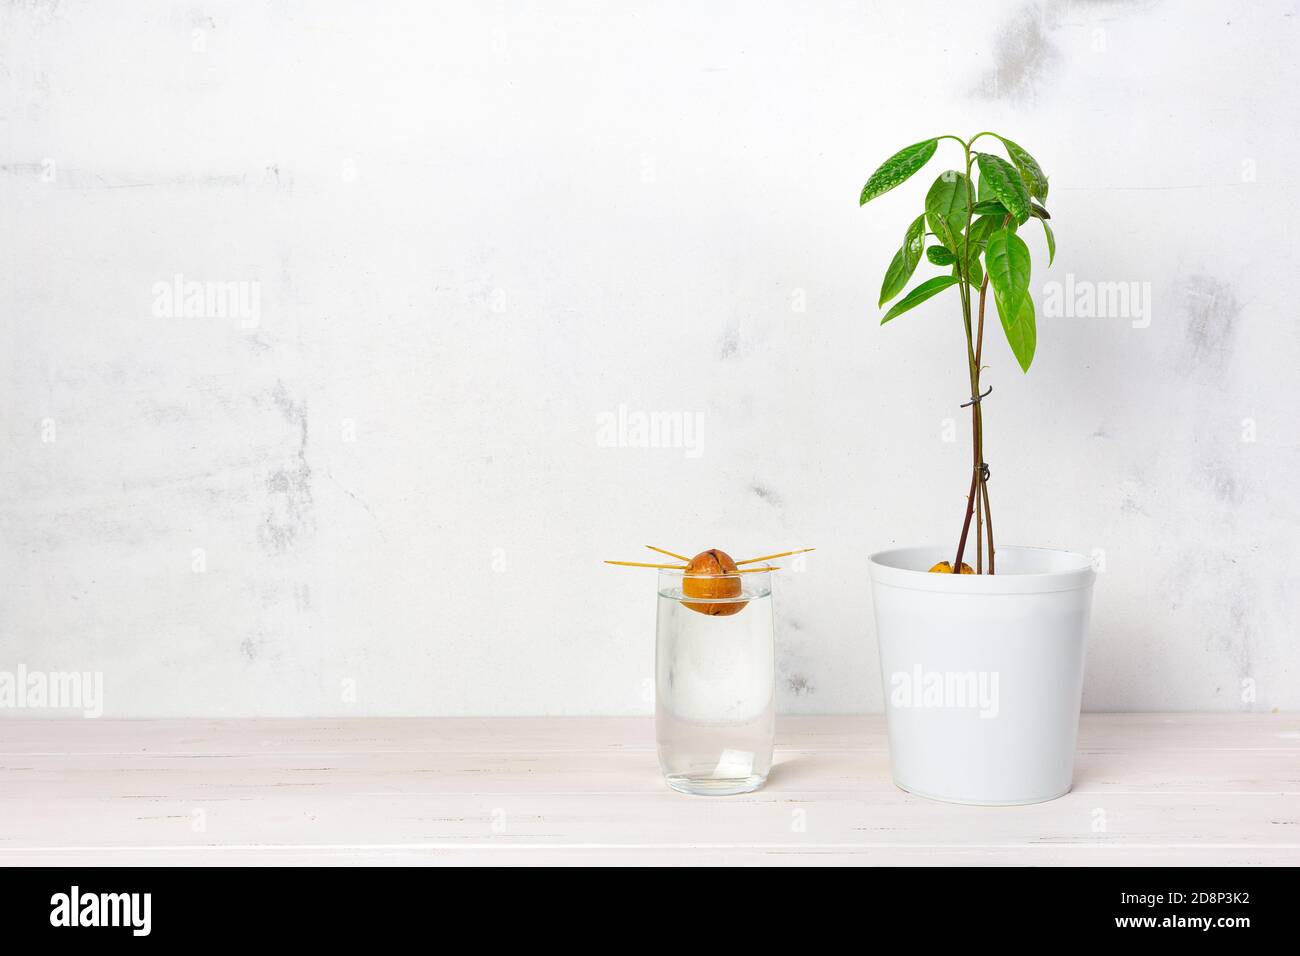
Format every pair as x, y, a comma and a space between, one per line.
1149, 789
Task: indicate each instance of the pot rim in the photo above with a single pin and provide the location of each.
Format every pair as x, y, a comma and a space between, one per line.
1063, 571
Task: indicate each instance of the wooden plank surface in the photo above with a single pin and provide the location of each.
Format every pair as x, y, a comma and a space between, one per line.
1149, 789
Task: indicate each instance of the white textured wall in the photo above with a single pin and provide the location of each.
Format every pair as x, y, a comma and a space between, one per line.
475, 228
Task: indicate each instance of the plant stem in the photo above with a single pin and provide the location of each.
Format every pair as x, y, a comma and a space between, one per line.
965, 526
988, 516
963, 272
982, 505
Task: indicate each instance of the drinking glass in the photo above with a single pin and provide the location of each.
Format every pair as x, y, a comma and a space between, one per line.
715, 681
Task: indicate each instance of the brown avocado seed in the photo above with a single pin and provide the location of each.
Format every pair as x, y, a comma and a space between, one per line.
713, 575
945, 567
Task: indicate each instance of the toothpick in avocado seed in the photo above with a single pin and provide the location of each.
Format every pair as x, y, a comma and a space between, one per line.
679, 557
769, 557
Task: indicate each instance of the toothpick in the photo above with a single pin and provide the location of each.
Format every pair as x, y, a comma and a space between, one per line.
769, 557
755, 570
679, 557
639, 564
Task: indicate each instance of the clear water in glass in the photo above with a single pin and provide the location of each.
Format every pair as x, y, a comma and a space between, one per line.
715, 714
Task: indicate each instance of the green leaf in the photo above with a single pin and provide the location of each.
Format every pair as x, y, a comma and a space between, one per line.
941, 256
1007, 258
1008, 262
905, 261
1005, 184
1039, 211
1030, 171
985, 226
1017, 314
1051, 241
990, 207
897, 168
946, 207
918, 295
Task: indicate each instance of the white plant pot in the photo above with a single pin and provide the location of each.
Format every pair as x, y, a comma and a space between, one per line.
982, 673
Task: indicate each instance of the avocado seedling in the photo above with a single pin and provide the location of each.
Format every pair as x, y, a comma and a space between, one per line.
974, 233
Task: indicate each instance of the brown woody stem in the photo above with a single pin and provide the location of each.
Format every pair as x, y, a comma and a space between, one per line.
965, 525
983, 504
977, 492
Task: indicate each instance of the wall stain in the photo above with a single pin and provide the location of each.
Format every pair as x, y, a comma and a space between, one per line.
799, 685
1022, 56
1236, 639
1129, 505
361, 501
729, 347
1222, 483
262, 649
289, 487
1211, 314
